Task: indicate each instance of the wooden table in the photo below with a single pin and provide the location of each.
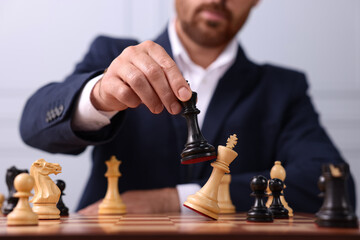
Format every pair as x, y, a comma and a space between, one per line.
174, 226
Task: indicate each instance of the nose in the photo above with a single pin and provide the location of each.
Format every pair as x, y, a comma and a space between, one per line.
220, 2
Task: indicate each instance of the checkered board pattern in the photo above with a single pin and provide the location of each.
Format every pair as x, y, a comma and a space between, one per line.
170, 225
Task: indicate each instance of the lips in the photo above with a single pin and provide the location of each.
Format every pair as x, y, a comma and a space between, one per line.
213, 15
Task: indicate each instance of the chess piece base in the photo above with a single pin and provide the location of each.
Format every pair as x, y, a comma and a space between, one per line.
109, 208
197, 152
341, 220
46, 211
201, 211
259, 215
227, 208
112, 211
22, 218
279, 213
203, 205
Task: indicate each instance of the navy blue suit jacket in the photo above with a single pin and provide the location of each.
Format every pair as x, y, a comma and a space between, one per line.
266, 106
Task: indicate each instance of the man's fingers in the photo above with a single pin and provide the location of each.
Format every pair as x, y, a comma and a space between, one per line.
139, 84
142, 74
156, 77
116, 94
176, 81
124, 94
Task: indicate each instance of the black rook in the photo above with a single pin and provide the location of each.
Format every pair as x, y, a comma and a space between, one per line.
336, 210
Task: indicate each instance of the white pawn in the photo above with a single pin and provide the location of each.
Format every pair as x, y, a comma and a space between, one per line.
22, 213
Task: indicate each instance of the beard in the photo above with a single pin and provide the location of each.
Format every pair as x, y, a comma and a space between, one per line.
209, 33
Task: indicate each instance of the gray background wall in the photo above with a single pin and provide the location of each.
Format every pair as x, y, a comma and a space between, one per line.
41, 40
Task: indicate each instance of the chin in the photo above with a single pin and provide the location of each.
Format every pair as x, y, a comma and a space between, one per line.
208, 33
213, 37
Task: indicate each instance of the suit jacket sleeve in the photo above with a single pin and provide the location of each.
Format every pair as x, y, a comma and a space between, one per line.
46, 118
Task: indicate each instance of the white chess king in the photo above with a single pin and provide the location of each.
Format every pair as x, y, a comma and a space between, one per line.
205, 200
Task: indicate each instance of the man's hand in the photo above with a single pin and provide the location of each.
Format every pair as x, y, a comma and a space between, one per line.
144, 201
146, 74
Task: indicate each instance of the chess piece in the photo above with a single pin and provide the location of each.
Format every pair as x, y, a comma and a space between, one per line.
224, 199
11, 201
336, 210
278, 171
321, 186
64, 211
277, 208
259, 212
47, 194
22, 213
205, 200
269, 195
197, 149
112, 203
2, 199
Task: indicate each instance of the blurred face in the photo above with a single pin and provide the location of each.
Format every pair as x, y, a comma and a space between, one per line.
212, 23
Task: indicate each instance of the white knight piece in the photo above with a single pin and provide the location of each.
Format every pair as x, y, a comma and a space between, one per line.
47, 194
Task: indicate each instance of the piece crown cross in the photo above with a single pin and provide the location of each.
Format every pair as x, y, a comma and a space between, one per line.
231, 141
113, 167
335, 172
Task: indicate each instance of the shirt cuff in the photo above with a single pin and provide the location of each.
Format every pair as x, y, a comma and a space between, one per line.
184, 190
86, 116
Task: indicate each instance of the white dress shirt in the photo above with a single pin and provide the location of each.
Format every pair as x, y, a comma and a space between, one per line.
203, 81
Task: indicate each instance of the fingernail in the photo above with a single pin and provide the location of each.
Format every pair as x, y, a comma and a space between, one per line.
184, 94
175, 108
159, 108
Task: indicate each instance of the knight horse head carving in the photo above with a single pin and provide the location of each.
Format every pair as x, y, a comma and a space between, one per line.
45, 189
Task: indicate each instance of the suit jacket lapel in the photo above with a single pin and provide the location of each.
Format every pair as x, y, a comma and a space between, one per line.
236, 83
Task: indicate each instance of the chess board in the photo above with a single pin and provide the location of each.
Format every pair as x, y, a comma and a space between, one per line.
174, 226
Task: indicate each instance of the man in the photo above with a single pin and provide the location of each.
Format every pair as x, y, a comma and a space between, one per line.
115, 98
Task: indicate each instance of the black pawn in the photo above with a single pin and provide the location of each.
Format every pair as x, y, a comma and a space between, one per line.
11, 201
259, 212
277, 208
197, 149
336, 210
64, 211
